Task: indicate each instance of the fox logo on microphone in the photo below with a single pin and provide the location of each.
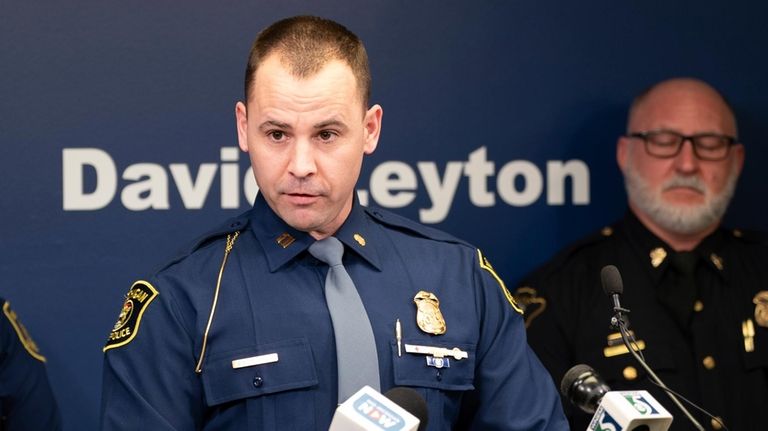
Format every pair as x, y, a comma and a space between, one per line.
628, 410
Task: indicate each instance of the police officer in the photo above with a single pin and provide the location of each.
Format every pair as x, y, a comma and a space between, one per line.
239, 332
697, 291
26, 399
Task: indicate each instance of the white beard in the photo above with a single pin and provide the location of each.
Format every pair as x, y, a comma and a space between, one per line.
684, 219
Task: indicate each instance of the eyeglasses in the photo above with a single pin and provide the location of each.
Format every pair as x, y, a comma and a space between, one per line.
666, 144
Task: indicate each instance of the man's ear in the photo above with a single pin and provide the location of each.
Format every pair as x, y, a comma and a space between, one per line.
739, 154
622, 151
241, 121
372, 128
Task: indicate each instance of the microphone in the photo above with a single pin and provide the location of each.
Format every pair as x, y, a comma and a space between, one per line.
583, 387
400, 409
613, 286
613, 410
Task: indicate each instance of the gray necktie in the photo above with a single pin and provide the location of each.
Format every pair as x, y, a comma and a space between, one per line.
358, 364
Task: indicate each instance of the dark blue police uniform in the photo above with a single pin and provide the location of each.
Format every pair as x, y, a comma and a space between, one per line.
26, 400
271, 304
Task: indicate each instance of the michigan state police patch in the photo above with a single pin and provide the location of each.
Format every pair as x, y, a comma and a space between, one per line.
127, 326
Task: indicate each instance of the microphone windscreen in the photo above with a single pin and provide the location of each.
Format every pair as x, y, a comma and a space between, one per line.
577, 372
583, 387
611, 280
412, 402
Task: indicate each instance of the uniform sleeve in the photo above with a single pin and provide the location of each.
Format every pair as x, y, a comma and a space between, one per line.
149, 379
550, 323
27, 400
546, 333
513, 391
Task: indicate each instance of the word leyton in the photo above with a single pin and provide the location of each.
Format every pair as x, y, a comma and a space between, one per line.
392, 184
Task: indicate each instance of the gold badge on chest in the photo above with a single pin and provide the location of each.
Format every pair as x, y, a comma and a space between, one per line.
761, 308
428, 315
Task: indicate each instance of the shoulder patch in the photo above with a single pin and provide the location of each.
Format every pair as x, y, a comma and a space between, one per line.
531, 303
26, 340
486, 265
127, 326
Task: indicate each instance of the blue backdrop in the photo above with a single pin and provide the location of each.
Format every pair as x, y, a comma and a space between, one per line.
500, 122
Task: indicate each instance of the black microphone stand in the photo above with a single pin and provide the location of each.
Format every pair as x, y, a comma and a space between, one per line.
618, 322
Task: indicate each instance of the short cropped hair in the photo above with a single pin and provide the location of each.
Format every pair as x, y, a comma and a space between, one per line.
307, 43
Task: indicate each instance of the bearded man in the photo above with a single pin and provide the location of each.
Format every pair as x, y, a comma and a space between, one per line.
697, 291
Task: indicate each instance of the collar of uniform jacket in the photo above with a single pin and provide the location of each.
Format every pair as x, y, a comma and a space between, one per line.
359, 233
710, 250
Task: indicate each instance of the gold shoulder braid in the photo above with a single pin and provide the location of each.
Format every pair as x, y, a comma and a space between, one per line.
231, 238
26, 340
486, 265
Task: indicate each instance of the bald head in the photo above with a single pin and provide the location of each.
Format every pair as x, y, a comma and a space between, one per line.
684, 98
680, 197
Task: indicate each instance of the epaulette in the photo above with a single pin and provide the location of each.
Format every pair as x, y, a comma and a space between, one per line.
567, 253
749, 235
594, 238
233, 224
401, 223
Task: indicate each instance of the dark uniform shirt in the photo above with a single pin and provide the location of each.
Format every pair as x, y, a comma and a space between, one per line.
26, 400
705, 334
272, 301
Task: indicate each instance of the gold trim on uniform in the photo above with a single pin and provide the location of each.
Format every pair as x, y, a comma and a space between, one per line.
428, 315
717, 423
708, 362
285, 239
717, 260
657, 255
612, 351
526, 297
26, 340
138, 298
360, 240
231, 238
761, 308
486, 265
616, 345
630, 373
748, 331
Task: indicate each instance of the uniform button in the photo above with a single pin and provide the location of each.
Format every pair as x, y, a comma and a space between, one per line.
715, 424
257, 382
439, 376
709, 362
630, 373
698, 306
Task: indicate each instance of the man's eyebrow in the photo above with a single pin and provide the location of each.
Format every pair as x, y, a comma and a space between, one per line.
272, 123
329, 123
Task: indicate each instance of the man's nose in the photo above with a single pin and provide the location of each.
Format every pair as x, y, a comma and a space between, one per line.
302, 163
686, 160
